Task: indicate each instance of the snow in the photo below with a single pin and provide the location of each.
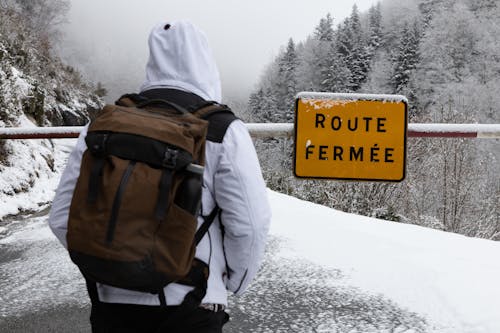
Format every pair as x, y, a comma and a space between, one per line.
40, 276
41, 130
22, 86
485, 129
28, 167
270, 129
448, 279
305, 95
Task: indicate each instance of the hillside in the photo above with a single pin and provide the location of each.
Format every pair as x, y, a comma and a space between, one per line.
36, 89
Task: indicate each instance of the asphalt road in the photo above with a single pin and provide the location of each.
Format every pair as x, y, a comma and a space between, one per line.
41, 291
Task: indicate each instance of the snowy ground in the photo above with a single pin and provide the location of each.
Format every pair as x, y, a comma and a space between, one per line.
19, 173
334, 273
449, 280
37, 282
325, 271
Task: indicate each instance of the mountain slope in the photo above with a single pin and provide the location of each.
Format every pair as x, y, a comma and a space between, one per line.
36, 89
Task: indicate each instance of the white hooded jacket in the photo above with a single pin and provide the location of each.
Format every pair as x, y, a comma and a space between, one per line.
181, 59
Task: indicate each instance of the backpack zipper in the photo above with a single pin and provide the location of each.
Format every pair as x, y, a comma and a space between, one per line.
113, 219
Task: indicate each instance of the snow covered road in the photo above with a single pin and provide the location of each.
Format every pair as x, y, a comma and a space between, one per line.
324, 271
41, 291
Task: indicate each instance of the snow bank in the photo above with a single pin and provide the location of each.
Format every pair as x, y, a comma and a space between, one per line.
450, 279
350, 97
29, 178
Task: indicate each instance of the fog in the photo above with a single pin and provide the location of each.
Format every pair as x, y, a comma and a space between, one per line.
107, 40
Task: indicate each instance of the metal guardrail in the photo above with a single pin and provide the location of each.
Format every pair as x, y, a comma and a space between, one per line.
262, 130
481, 131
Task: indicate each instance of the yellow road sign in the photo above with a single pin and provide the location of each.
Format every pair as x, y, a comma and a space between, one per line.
350, 136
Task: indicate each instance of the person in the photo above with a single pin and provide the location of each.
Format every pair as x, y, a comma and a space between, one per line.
182, 69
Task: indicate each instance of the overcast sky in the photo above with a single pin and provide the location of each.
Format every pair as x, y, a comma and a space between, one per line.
108, 39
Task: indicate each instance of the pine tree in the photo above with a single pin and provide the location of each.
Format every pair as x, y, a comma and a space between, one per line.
324, 31
326, 57
358, 62
335, 74
375, 29
287, 81
406, 58
255, 105
344, 47
352, 47
270, 105
428, 8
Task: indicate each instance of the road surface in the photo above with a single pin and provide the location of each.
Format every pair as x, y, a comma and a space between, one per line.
42, 291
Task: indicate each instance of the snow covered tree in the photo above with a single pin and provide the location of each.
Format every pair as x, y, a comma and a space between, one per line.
44, 15
375, 28
255, 104
324, 54
324, 31
336, 73
428, 8
351, 46
358, 61
287, 82
448, 53
405, 62
405, 58
379, 76
331, 68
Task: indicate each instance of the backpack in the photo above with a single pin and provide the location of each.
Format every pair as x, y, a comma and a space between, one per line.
133, 216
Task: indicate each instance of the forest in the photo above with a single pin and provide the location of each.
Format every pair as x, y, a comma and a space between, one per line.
444, 56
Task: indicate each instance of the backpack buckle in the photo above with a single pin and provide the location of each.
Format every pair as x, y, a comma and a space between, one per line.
98, 148
170, 158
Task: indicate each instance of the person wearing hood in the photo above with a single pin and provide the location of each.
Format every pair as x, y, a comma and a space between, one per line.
182, 70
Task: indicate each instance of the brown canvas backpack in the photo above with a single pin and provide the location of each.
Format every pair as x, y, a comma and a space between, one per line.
133, 215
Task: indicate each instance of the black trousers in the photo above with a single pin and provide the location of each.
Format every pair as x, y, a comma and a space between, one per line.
132, 318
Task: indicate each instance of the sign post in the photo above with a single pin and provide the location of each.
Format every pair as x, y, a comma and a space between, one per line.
350, 136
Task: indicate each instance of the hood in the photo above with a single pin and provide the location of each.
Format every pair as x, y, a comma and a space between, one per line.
179, 57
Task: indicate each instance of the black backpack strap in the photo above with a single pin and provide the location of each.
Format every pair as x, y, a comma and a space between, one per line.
92, 290
219, 117
198, 274
194, 278
199, 277
218, 124
207, 222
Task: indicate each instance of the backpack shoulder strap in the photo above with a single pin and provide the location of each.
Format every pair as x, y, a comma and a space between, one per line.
219, 117
207, 222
